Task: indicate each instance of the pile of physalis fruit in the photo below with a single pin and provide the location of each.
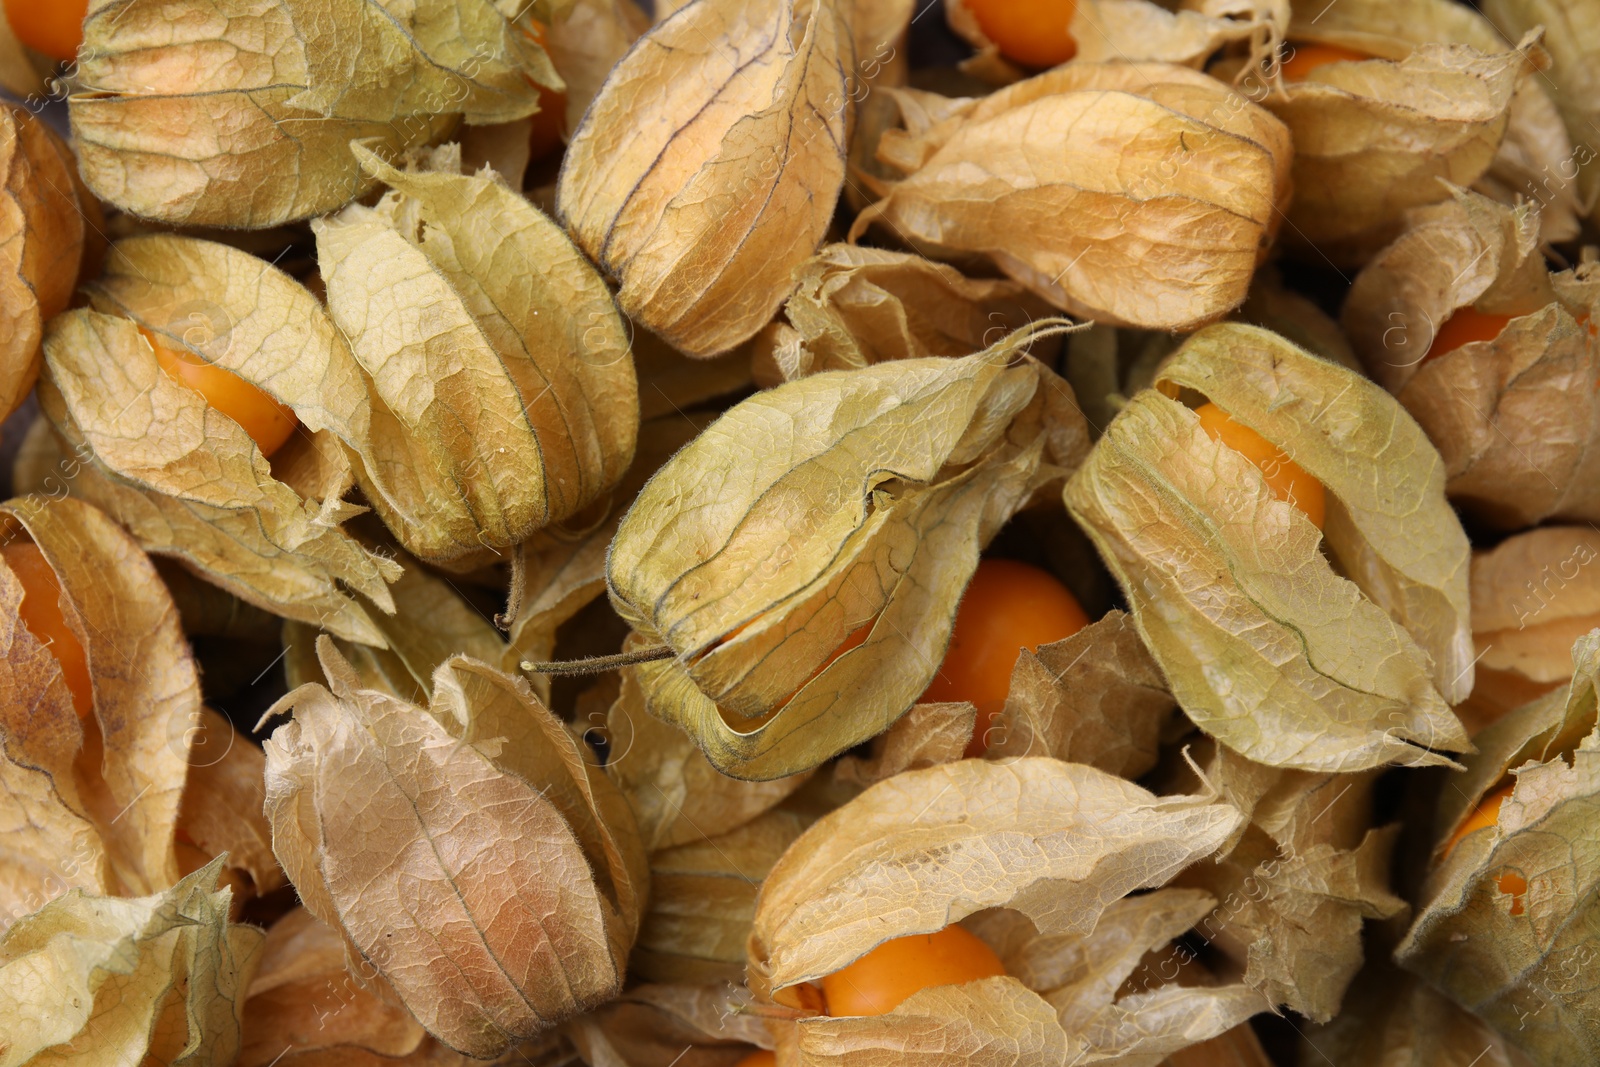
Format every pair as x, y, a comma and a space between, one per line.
713, 536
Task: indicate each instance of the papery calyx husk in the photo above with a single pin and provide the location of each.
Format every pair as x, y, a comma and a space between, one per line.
1139, 30
1058, 846
159, 978
431, 623
1152, 210
264, 138
105, 825
1516, 418
512, 404
1295, 885
650, 1025
505, 857
1373, 138
811, 510
1535, 158
703, 900
1572, 33
702, 216
186, 479
1266, 647
1507, 923
857, 306
44, 222
1533, 595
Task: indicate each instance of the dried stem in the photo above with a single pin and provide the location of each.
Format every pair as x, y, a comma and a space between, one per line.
598, 664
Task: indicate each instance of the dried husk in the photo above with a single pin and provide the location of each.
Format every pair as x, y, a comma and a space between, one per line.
168, 130
703, 901
1533, 595
1151, 207
585, 41
858, 306
1057, 845
431, 623
186, 479
701, 217
565, 570
512, 403
222, 806
43, 223
1277, 656
1140, 31
677, 796
94, 805
668, 1026
1096, 698
504, 856
811, 509
154, 979
1572, 34
1393, 1019
1297, 318
307, 1008
1516, 418
1536, 156
1373, 138
1520, 960
927, 735
1294, 889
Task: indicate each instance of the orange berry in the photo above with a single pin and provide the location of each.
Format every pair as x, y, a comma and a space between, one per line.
1008, 606
759, 1058
1305, 58
54, 27
880, 981
1464, 326
41, 614
551, 118
1487, 814
1286, 478
268, 422
1035, 33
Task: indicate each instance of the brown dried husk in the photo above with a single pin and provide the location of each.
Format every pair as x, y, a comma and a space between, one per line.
44, 222
1373, 138
167, 130
1228, 582
308, 1008
1521, 960
431, 623
1516, 418
812, 509
1533, 595
1038, 855
858, 306
153, 979
1536, 152
1392, 1018
1096, 698
1153, 210
186, 479
565, 570
1141, 31
702, 216
669, 1026
1295, 887
512, 404
585, 41
93, 804
703, 901
1572, 35
504, 856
